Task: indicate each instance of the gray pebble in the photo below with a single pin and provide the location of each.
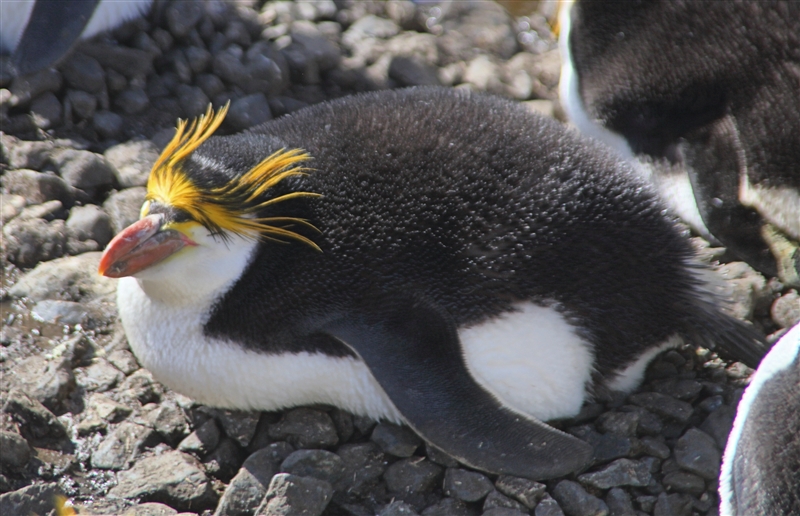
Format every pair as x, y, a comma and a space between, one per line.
495, 499
198, 59
38, 187
173, 478
115, 81
409, 71
249, 111
169, 420
123, 360
646, 503
697, 452
25, 154
718, 424
468, 486
620, 423
248, 488
83, 169
678, 388
785, 310
621, 472
123, 207
25, 88
108, 409
448, 507
683, 482
314, 44
398, 509
663, 405
37, 421
305, 428
320, 464
202, 440
14, 450
108, 125
677, 504
225, 460
33, 499
619, 503
100, 376
654, 447
46, 111
607, 447
75, 276
56, 311
290, 495
364, 463
396, 440
411, 476
230, 69
192, 100
503, 511
132, 101
439, 457
29, 241
11, 205
369, 27
141, 386
526, 491
237, 424
575, 501
182, 17
90, 222
131, 161
548, 507
83, 73
150, 509
122, 446
210, 84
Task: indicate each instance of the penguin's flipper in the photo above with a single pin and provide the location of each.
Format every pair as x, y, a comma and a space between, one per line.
412, 349
53, 29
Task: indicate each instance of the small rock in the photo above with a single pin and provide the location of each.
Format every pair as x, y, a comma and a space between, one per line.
439, 457
663, 405
150, 509
14, 450
37, 422
317, 46
619, 503
29, 241
575, 501
396, 440
607, 447
320, 464
130, 62
48, 381
678, 388
173, 478
526, 491
122, 446
83, 73
494, 500
141, 386
100, 376
785, 310
202, 440
249, 111
83, 104
248, 488
123, 207
468, 486
398, 509
83, 169
369, 26
192, 100
646, 503
108, 124
411, 476
484, 75
697, 452
182, 17
25, 88
25, 154
448, 507
38, 187
677, 504
620, 423
170, 422
548, 507
90, 223
123, 360
364, 463
290, 495
225, 460
237, 424
34, 499
10, 206
75, 276
131, 162
108, 409
683, 482
305, 428
46, 111
654, 447
344, 424
621, 472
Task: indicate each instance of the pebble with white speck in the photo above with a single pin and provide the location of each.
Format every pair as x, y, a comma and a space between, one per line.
396, 440
548, 507
305, 428
697, 452
468, 486
290, 495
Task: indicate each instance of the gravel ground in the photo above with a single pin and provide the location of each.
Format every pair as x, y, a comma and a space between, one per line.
81, 417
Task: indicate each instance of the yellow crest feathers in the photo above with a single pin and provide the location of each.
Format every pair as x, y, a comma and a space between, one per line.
234, 206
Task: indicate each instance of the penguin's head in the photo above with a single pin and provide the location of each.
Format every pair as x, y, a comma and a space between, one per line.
198, 220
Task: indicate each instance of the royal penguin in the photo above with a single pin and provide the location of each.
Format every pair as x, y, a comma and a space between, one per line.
428, 256
704, 97
38, 33
760, 474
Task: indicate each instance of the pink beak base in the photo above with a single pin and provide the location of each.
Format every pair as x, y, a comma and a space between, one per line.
139, 246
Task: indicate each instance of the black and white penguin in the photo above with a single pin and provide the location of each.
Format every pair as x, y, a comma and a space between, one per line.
760, 474
37, 33
424, 256
706, 97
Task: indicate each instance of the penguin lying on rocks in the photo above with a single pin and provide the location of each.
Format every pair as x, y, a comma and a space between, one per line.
706, 97
37, 33
760, 474
426, 256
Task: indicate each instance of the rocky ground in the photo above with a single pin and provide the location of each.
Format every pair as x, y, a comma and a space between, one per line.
79, 415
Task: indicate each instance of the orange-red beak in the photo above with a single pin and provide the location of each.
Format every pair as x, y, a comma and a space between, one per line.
141, 245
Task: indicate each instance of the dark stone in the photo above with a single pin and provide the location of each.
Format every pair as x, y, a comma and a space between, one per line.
718, 424
14, 450
280, 106
238, 425
409, 71
182, 17
398, 509
439, 457
344, 424
654, 447
548, 507
619, 503
290, 495
108, 124
320, 464
678, 388
267, 69
34, 499
169, 420
130, 62
25, 88
83, 169
607, 447
249, 487
230, 69
496, 500
620, 423
503, 511
249, 111
305, 428
526, 491
683, 482
468, 486
46, 111
412, 476
36, 421
122, 447
132, 101
364, 463
677, 504
663, 405
225, 460
90, 223
83, 73
198, 59
621, 472
396, 440
210, 84
192, 100
575, 501
448, 507
202, 440
697, 452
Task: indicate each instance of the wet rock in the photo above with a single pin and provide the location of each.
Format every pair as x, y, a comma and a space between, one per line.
248, 488
677, 504
320, 464
108, 124
192, 100
100, 376
496, 500
314, 44
697, 452
46, 111
182, 17
90, 223
619, 503
122, 446
396, 440
14, 450
678, 388
34, 499
123, 360
607, 447
249, 111
123, 207
202, 440
398, 509
785, 310
368, 27
173, 478
412, 476
526, 491
29, 241
73, 276
83, 73
36, 421
130, 62
548, 507
305, 428
575, 501
290, 495
439, 457
620, 423
238, 425
663, 405
468, 486
364, 463
83, 169
718, 424
48, 381
131, 162
448, 507
621, 472
683, 482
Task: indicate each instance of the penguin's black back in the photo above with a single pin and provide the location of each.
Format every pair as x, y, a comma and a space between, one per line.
466, 200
